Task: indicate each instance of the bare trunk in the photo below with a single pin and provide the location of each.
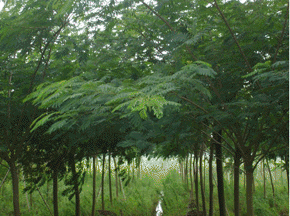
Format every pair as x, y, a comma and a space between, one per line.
55, 192
76, 187
15, 185
190, 173
116, 178
264, 176
26, 195
202, 185
94, 186
249, 187
196, 179
110, 180
210, 179
287, 172
204, 174
237, 164
220, 173
47, 206
186, 171
2, 183
271, 178
47, 190
103, 175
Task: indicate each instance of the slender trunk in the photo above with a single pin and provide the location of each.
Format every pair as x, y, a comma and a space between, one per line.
254, 188
196, 179
2, 183
26, 195
103, 175
47, 206
94, 186
55, 192
220, 173
110, 180
210, 182
133, 171
201, 184
15, 185
264, 177
204, 174
271, 179
237, 164
190, 173
47, 190
180, 170
249, 187
76, 187
31, 200
122, 189
185, 173
287, 173
116, 178
139, 167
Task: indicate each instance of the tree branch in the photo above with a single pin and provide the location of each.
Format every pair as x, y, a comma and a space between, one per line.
233, 35
282, 34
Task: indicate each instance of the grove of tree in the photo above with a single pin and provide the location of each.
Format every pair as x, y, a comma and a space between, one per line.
82, 80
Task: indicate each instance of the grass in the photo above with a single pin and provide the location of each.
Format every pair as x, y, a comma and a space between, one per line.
143, 194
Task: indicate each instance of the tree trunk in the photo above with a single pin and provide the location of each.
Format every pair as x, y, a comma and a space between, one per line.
210, 180
55, 192
249, 187
181, 171
15, 185
264, 177
271, 178
110, 180
76, 186
287, 173
190, 173
201, 184
103, 175
116, 178
204, 174
26, 195
237, 164
196, 180
94, 186
186, 171
220, 173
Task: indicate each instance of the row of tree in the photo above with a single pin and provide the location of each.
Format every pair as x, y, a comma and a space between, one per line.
132, 78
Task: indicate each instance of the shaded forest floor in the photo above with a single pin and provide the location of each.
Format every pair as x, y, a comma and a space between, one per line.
142, 196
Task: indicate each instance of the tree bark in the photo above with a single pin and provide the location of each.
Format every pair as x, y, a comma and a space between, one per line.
94, 186
186, 171
196, 179
76, 186
103, 175
15, 185
249, 187
220, 173
110, 180
264, 177
202, 185
271, 178
237, 163
190, 173
116, 178
55, 192
26, 195
210, 179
